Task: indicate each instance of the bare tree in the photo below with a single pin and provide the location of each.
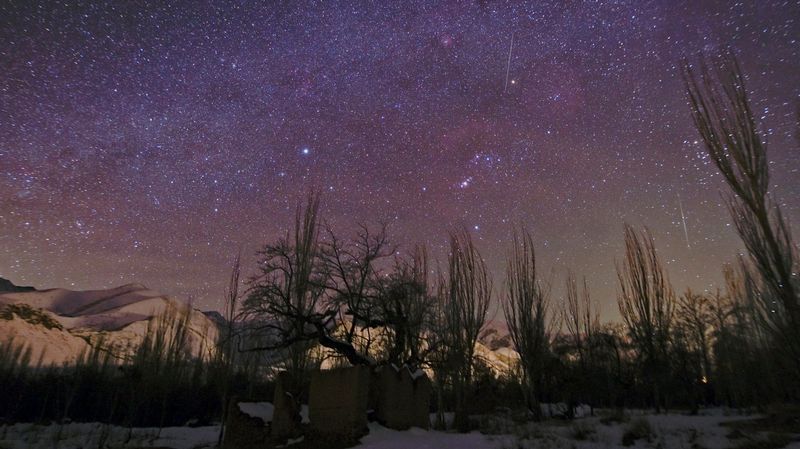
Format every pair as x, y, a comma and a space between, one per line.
227, 351
526, 308
439, 357
744, 347
283, 306
722, 115
338, 294
289, 303
466, 295
581, 320
695, 315
406, 306
742, 292
353, 280
582, 323
646, 303
695, 312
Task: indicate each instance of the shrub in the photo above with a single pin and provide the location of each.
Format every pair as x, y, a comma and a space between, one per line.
529, 432
29, 314
772, 441
618, 416
583, 431
639, 429
495, 425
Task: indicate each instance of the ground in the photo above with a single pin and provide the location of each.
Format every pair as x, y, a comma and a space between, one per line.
639, 430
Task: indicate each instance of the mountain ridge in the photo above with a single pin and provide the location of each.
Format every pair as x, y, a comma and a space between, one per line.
118, 317
8, 286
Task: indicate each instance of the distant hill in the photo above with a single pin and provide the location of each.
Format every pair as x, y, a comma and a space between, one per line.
216, 317
58, 325
495, 349
8, 286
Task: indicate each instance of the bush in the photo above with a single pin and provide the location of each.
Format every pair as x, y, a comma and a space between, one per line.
583, 431
639, 429
772, 441
29, 314
618, 416
529, 432
495, 424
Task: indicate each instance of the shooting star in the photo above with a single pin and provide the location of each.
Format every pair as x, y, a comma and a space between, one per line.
508, 64
683, 219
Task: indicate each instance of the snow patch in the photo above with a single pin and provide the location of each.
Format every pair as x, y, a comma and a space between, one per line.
263, 410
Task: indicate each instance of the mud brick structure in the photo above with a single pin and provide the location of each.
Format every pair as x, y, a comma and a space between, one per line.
286, 415
402, 398
243, 431
338, 403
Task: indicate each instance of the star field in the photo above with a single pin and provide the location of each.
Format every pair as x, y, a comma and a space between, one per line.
151, 141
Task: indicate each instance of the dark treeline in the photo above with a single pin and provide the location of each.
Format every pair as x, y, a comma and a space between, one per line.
318, 299
157, 383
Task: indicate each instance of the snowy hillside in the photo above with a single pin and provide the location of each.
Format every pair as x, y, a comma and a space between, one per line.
495, 349
58, 324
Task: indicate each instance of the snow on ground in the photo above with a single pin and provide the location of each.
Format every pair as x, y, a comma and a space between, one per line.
382, 438
264, 410
667, 431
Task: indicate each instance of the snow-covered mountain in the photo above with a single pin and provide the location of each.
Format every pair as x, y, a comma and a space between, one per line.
58, 324
496, 350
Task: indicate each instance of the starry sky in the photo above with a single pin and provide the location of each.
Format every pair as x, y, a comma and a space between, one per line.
150, 141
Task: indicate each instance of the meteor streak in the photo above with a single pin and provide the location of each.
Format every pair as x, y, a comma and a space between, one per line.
508, 64
683, 219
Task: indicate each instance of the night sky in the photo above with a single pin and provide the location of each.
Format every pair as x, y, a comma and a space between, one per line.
149, 141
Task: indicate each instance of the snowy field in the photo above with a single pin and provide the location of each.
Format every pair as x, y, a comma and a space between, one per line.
654, 431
